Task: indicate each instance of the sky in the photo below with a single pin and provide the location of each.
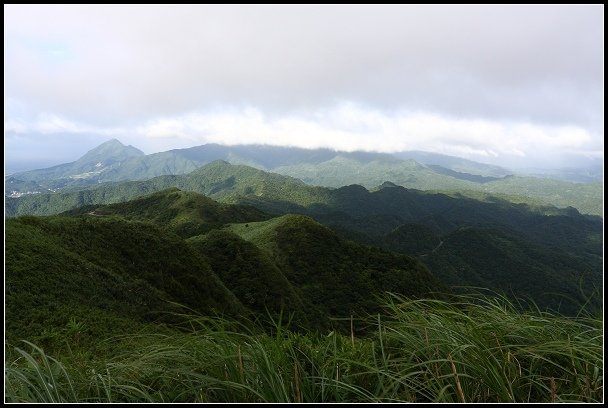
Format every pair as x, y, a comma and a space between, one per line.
518, 86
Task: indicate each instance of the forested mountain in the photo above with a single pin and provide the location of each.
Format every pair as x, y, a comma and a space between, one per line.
124, 262
103, 271
341, 171
506, 262
113, 162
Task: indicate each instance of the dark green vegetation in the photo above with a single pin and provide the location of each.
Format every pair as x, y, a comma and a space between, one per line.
174, 297
489, 257
474, 350
102, 271
125, 260
339, 276
530, 242
112, 161
184, 213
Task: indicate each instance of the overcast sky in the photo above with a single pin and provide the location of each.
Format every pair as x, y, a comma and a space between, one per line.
511, 85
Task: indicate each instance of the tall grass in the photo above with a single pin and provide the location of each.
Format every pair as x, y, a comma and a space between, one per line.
477, 349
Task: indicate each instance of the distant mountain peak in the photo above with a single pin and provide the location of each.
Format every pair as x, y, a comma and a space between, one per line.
113, 141
112, 150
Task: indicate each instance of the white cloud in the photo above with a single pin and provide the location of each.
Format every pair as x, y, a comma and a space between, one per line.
48, 124
124, 62
345, 126
348, 127
480, 81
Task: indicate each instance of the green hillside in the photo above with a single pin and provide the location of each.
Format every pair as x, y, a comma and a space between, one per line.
490, 258
376, 212
215, 271
342, 276
184, 213
342, 171
457, 164
100, 269
218, 180
90, 168
98, 289
253, 277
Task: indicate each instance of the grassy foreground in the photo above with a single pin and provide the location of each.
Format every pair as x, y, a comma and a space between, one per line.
477, 349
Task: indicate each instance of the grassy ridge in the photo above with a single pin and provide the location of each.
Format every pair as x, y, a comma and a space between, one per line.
476, 349
184, 213
124, 261
101, 269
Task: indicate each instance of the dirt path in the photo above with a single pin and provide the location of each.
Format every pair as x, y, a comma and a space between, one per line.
437, 247
433, 250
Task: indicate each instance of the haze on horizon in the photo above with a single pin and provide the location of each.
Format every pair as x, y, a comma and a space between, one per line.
517, 86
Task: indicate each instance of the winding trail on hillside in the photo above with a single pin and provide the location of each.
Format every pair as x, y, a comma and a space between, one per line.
433, 250
437, 247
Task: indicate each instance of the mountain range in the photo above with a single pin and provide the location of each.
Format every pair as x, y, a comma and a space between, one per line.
463, 241
113, 162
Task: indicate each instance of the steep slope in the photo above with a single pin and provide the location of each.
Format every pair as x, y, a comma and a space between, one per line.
490, 258
339, 277
90, 168
122, 262
251, 275
100, 269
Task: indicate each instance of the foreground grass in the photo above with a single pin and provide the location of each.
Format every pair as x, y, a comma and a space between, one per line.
475, 350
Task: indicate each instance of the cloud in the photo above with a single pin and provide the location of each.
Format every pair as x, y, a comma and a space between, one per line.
350, 127
132, 61
480, 81
345, 126
48, 124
